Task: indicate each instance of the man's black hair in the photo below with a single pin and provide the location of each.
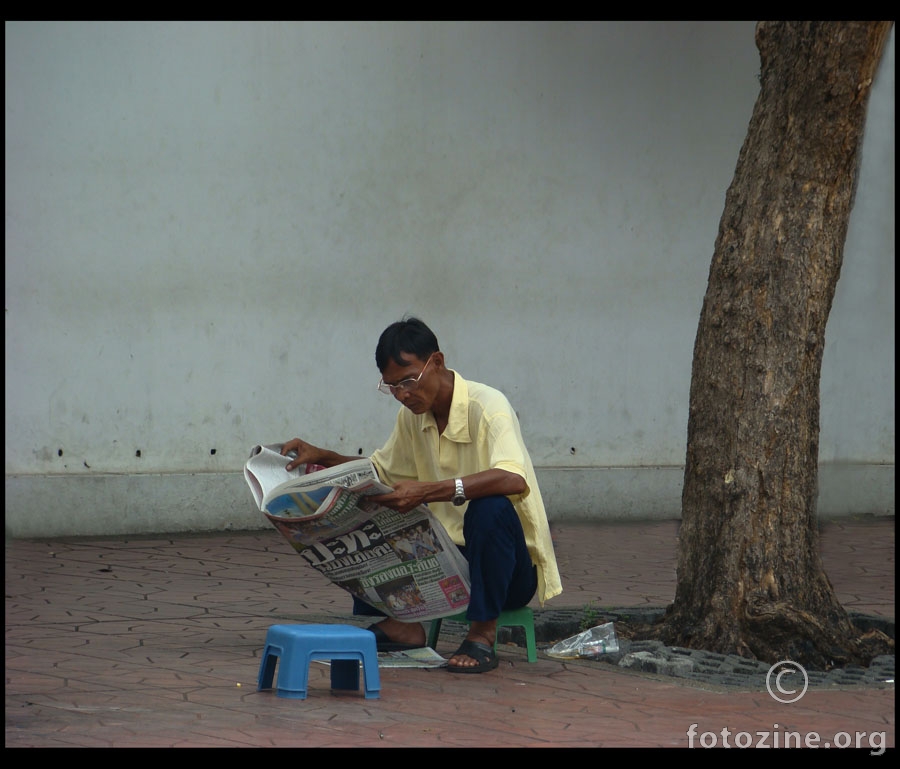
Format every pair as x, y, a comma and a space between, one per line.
410, 336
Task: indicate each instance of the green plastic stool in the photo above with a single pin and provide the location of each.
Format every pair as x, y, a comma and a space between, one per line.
523, 618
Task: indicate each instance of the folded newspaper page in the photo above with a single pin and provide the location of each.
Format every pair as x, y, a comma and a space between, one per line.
404, 564
424, 657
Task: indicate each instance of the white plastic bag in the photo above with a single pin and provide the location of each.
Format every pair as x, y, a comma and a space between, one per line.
590, 644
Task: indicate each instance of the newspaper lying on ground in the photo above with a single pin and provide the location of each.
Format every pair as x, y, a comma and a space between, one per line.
404, 564
425, 657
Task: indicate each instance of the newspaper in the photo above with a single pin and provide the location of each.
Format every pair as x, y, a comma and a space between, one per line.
404, 564
425, 657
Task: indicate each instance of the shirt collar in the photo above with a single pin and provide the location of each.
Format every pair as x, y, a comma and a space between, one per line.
458, 422
457, 428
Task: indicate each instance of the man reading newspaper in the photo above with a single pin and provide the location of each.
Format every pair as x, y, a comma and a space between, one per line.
457, 447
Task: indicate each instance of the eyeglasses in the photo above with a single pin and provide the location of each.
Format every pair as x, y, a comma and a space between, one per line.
405, 385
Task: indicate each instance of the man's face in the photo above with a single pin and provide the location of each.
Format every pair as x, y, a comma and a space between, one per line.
413, 384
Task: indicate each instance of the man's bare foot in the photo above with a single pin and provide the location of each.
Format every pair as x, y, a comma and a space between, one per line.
481, 632
403, 632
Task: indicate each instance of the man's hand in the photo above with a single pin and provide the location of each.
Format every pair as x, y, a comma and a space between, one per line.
405, 496
309, 454
306, 453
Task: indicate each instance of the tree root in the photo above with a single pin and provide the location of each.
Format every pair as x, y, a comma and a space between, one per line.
771, 632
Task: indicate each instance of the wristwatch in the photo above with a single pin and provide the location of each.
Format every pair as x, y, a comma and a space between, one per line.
459, 496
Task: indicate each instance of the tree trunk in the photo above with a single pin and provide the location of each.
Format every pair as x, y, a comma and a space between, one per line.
750, 579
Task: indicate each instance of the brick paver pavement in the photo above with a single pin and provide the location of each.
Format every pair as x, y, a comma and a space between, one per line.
155, 642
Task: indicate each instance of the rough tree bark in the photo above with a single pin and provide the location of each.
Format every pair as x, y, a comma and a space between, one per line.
750, 580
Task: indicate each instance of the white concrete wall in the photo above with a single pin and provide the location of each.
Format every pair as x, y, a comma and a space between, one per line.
209, 224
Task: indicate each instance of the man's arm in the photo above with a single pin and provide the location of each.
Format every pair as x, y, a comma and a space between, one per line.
309, 454
410, 494
488, 483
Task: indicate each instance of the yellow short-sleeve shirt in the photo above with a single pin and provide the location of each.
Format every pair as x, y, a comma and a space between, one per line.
482, 433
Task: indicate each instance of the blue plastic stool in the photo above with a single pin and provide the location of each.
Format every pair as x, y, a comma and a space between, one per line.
298, 645
523, 617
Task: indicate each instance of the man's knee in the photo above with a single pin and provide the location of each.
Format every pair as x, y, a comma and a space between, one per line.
490, 514
497, 505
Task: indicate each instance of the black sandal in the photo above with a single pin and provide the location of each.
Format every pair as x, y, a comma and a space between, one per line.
483, 654
383, 642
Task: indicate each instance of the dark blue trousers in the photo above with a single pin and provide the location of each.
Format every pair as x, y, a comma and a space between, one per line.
500, 568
